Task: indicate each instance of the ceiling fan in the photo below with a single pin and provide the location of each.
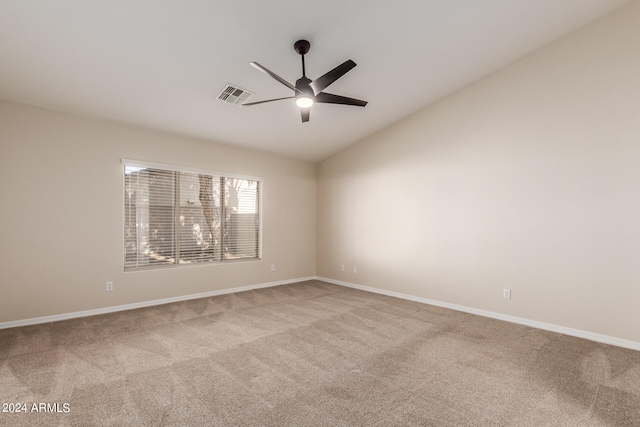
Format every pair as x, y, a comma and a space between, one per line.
306, 91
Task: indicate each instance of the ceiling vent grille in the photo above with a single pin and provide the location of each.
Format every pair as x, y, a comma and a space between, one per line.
234, 95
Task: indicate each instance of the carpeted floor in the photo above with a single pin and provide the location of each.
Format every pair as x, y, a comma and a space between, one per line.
310, 354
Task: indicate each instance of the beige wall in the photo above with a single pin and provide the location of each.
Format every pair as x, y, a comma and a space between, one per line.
528, 179
62, 205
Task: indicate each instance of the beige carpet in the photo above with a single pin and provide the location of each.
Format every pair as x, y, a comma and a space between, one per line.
311, 354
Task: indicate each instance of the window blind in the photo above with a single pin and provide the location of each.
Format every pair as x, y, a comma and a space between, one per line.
176, 216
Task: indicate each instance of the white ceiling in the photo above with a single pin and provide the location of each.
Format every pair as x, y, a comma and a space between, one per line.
161, 63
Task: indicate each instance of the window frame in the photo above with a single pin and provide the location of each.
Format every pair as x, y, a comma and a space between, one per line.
176, 204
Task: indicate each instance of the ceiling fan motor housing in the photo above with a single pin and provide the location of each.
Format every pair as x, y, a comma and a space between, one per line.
303, 85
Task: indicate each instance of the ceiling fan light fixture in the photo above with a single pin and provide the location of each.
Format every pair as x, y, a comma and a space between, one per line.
304, 102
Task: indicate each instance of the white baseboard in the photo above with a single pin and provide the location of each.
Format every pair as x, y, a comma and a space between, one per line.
113, 309
513, 319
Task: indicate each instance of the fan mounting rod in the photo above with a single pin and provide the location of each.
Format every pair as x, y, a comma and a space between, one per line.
302, 47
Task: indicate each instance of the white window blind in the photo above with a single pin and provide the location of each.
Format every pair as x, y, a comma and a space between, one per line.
178, 217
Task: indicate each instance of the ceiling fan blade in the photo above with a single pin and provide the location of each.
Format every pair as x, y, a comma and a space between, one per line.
274, 75
325, 80
248, 104
329, 98
304, 112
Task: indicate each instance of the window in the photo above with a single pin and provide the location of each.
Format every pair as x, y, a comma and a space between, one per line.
175, 216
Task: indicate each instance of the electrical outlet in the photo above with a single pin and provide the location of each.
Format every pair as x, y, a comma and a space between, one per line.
506, 293
109, 286
273, 267
341, 267
355, 269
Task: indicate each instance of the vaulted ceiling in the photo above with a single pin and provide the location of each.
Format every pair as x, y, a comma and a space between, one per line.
160, 64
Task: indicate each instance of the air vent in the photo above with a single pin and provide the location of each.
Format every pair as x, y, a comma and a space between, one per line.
234, 95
